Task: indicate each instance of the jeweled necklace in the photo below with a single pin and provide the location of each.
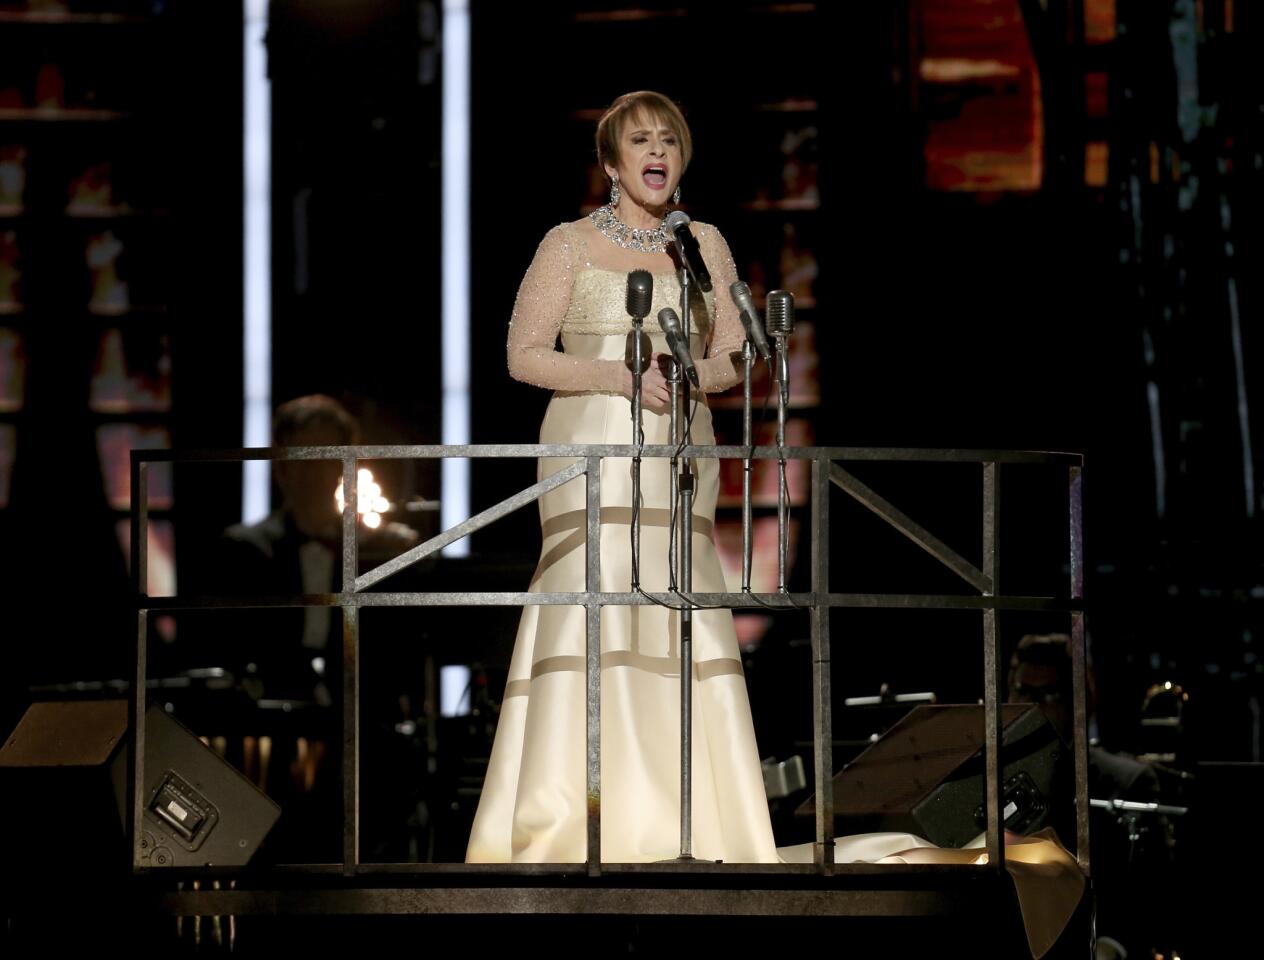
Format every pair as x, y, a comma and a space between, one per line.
608, 224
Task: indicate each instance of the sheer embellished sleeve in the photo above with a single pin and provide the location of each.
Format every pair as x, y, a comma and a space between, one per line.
543, 298
723, 364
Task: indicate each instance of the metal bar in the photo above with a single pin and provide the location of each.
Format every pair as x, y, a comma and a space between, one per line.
330, 874
822, 695
787, 601
1079, 670
592, 636
944, 898
867, 497
1080, 744
465, 528
350, 515
136, 755
1076, 516
658, 451
140, 529
991, 527
350, 673
350, 739
993, 795
140, 668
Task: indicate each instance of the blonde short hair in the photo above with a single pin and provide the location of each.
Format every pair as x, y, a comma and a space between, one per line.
657, 106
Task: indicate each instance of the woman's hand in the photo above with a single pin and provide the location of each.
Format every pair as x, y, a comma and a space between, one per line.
655, 391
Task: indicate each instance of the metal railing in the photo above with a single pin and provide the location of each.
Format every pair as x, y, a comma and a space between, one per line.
826, 472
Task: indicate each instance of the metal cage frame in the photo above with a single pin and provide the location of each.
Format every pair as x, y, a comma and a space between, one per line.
865, 894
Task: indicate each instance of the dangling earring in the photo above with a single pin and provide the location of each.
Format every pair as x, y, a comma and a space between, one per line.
614, 190
676, 196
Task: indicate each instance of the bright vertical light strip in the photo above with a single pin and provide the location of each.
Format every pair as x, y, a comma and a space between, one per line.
454, 690
257, 262
454, 497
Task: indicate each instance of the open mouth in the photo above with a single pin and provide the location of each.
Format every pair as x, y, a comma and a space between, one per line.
655, 176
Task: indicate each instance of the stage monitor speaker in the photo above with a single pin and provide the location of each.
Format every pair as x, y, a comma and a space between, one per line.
57, 809
199, 810
926, 775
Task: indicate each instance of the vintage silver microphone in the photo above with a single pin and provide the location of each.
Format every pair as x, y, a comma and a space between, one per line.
741, 295
780, 314
677, 342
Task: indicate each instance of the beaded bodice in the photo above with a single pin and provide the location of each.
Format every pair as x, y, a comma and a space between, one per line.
577, 287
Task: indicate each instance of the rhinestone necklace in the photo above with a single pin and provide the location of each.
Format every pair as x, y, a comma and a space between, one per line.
653, 240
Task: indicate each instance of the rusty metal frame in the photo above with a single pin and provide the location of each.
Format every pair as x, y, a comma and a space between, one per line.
820, 601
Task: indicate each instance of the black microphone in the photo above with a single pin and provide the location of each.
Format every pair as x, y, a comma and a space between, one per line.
640, 297
677, 224
670, 322
640, 293
751, 320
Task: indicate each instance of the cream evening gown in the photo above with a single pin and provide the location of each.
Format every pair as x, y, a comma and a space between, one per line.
533, 806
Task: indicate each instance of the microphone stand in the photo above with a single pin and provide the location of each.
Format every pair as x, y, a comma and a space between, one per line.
683, 489
748, 362
783, 393
637, 359
1128, 814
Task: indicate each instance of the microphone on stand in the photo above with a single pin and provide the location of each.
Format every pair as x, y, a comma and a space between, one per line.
780, 307
756, 342
670, 322
640, 297
677, 224
745, 303
780, 314
637, 357
640, 293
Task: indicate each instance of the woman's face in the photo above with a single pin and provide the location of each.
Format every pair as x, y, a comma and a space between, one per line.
650, 161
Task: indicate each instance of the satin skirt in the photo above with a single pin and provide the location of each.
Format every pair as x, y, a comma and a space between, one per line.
534, 805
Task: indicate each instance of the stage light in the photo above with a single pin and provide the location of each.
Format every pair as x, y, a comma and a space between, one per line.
256, 262
454, 504
454, 690
370, 501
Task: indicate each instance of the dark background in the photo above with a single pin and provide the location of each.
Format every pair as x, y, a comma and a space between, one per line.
960, 303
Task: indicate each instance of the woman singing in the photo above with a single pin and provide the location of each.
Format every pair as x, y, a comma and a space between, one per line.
534, 806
